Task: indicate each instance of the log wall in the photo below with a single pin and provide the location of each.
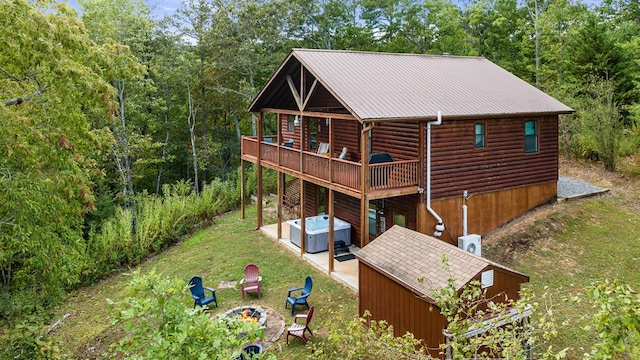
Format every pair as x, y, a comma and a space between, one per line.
501, 164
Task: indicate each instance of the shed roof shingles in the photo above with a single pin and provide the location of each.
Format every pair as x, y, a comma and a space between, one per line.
423, 261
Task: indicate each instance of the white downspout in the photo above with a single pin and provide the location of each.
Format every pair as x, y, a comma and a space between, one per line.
440, 225
464, 213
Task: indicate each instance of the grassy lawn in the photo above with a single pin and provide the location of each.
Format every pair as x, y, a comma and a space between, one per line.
572, 245
218, 253
583, 241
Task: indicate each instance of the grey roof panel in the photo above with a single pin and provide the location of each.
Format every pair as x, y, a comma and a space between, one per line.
378, 86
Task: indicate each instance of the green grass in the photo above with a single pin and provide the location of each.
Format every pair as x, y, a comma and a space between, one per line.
581, 242
584, 242
218, 253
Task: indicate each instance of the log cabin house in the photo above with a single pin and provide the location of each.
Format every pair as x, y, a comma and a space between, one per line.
378, 139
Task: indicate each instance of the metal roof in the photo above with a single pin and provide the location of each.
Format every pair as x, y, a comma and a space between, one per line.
408, 255
387, 86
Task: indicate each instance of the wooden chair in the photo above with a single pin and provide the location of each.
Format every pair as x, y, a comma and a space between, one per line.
323, 148
343, 154
297, 329
251, 281
197, 293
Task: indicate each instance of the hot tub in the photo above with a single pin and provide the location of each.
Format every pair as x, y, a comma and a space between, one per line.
317, 229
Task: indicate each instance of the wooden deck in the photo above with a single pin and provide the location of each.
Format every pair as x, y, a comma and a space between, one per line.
385, 180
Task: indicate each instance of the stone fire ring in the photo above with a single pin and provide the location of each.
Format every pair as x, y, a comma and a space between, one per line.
254, 311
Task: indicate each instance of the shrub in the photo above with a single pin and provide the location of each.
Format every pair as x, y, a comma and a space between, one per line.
160, 325
160, 222
28, 340
484, 328
363, 338
616, 322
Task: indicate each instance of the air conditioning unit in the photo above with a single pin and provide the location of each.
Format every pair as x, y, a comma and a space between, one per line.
470, 243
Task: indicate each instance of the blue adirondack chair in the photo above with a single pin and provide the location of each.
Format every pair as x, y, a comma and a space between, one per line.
300, 299
249, 351
197, 293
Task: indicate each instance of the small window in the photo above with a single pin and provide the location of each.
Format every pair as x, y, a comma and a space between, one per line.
479, 135
530, 136
291, 126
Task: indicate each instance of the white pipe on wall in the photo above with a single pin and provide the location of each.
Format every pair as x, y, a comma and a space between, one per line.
464, 213
440, 225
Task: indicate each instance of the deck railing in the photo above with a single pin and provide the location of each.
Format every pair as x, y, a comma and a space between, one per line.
343, 172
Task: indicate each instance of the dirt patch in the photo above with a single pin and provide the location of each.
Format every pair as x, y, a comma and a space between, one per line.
230, 284
537, 227
275, 325
99, 345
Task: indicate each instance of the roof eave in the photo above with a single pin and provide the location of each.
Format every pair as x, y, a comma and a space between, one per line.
252, 106
398, 280
466, 116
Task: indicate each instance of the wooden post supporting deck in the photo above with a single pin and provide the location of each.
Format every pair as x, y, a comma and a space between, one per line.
242, 187
259, 172
331, 234
280, 198
281, 178
303, 218
364, 200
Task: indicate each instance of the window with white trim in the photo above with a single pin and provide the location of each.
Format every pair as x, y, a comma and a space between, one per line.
479, 141
530, 136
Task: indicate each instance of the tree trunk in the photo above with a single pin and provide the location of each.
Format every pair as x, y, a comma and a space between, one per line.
124, 164
192, 124
204, 114
164, 154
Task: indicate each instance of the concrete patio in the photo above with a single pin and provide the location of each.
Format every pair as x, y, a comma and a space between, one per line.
345, 272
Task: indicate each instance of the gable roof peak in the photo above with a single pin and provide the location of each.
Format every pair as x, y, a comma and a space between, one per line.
376, 86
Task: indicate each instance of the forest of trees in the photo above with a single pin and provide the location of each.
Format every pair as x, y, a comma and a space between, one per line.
104, 112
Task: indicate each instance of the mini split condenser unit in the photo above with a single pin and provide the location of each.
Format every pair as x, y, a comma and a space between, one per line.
470, 243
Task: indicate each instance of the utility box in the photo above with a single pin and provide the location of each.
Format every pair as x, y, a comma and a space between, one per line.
470, 243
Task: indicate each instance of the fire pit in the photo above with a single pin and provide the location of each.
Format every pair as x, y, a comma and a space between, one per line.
254, 314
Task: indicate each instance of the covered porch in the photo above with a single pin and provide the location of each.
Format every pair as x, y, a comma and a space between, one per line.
381, 180
346, 272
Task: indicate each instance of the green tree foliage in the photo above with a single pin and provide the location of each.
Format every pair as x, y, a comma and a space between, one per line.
134, 149
495, 31
29, 340
159, 324
616, 322
162, 221
489, 328
51, 73
366, 339
432, 27
600, 126
331, 24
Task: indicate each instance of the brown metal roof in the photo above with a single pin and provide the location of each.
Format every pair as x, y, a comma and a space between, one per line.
387, 86
406, 256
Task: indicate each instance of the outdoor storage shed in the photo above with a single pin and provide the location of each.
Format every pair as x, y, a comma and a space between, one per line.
400, 271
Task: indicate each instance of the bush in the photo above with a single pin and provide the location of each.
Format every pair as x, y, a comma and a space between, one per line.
160, 223
269, 181
29, 340
159, 324
363, 338
616, 322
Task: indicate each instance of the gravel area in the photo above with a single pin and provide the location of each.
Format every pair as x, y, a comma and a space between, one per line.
569, 188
